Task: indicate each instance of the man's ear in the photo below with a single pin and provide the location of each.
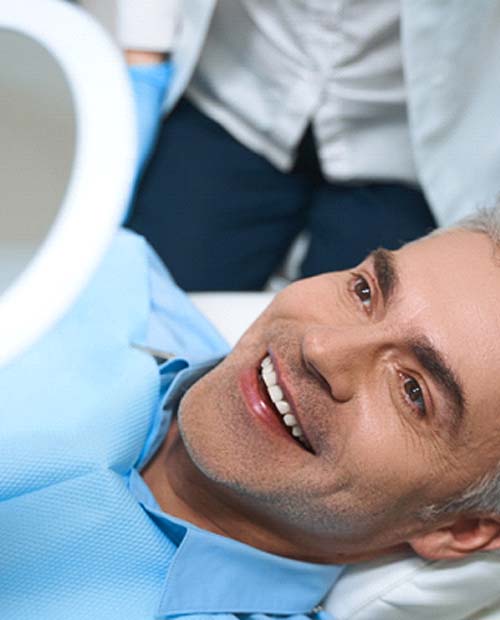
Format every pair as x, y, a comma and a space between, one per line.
459, 538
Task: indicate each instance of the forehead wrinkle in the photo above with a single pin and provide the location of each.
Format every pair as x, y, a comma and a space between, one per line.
384, 265
434, 362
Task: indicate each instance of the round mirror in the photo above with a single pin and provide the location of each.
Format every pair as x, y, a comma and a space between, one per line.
68, 152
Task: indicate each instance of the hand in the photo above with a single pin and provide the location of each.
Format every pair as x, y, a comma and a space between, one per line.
139, 57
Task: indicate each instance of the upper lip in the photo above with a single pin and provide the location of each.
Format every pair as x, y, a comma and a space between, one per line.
283, 383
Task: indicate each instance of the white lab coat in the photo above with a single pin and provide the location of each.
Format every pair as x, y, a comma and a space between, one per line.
451, 59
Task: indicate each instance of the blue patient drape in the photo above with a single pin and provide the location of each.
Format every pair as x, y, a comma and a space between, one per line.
75, 414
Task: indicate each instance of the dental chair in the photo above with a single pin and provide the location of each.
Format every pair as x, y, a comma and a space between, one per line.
65, 189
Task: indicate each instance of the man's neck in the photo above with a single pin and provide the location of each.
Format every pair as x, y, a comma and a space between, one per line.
184, 492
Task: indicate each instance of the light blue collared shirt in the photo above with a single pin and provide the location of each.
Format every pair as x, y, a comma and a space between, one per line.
212, 574
81, 412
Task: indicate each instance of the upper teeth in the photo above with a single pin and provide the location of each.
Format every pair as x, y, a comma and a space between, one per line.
276, 395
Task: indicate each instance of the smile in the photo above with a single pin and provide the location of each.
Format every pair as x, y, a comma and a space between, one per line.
269, 377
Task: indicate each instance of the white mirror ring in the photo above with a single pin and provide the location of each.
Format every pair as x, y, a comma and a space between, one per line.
102, 174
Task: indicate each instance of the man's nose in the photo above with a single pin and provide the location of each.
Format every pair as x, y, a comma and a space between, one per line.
342, 357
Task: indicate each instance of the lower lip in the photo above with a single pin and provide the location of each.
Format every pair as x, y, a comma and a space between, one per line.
258, 403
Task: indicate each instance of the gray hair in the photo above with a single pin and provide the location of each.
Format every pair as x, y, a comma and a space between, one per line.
485, 220
483, 495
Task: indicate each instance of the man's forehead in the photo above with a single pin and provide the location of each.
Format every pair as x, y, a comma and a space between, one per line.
449, 245
455, 282
459, 271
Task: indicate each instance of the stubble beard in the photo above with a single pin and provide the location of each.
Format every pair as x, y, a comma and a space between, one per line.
282, 503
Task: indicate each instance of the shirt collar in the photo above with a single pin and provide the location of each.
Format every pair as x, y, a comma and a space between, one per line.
214, 574
185, 375
224, 575
176, 377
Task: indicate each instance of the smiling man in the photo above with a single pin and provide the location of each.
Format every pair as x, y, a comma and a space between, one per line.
356, 417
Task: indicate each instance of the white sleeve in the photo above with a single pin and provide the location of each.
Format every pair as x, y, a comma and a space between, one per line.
147, 25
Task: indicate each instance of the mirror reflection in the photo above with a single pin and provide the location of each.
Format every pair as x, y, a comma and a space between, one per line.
37, 142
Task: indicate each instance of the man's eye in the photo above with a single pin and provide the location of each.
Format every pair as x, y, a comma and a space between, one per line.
363, 291
414, 394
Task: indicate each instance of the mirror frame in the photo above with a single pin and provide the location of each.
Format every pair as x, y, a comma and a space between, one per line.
101, 180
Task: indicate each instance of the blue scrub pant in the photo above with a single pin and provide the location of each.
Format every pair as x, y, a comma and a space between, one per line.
222, 217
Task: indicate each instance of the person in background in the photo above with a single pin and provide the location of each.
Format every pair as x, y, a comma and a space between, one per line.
294, 119
146, 32
309, 114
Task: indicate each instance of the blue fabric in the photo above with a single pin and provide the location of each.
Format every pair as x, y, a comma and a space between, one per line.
81, 412
150, 83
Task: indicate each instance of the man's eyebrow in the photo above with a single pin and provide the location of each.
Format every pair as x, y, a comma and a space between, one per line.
386, 273
451, 386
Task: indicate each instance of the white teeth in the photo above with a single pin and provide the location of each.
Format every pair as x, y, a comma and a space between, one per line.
282, 406
275, 393
270, 379
290, 420
266, 361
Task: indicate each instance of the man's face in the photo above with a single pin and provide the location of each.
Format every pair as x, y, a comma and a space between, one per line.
392, 373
